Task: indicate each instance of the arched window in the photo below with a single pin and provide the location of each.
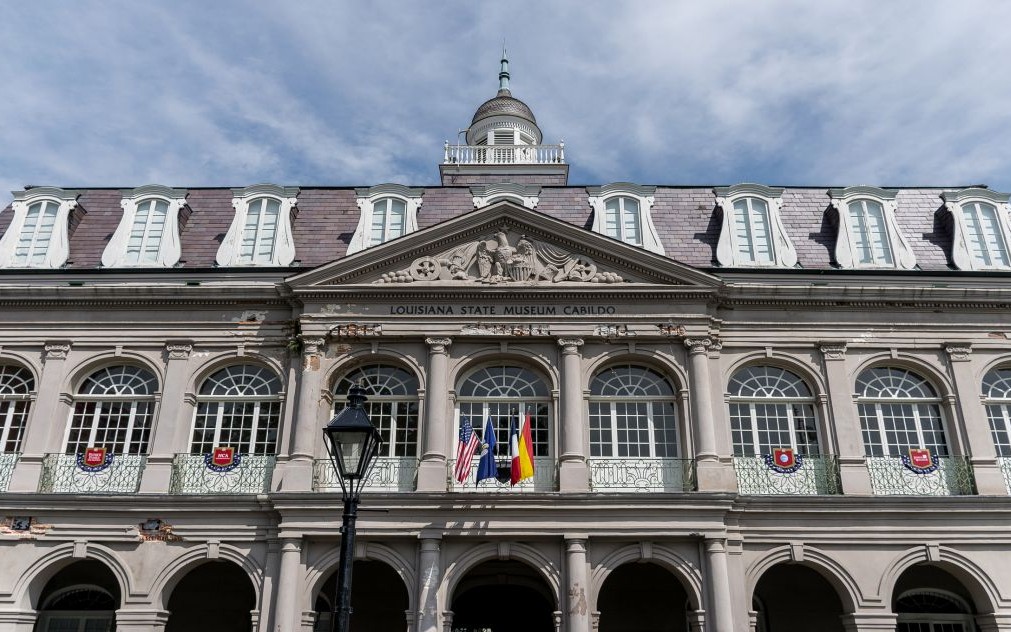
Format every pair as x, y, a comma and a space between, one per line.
622, 220
259, 231
753, 231
632, 414
16, 386
79, 608
899, 410
113, 409
389, 217
771, 408
506, 394
36, 233
144, 242
997, 399
238, 407
932, 611
869, 232
984, 235
392, 406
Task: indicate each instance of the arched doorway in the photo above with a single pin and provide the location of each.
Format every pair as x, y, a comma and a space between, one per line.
215, 596
642, 598
379, 599
795, 598
930, 599
503, 596
83, 597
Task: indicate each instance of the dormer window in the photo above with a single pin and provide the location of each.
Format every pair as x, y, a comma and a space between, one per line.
622, 211
260, 234
38, 233
526, 195
869, 235
148, 234
752, 233
388, 211
981, 228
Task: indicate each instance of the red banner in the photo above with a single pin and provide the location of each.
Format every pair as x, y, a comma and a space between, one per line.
223, 457
784, 457
94, 457
920, 458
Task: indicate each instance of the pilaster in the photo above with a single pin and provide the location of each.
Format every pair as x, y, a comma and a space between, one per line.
310, 410
849, 444
576, 569
432, 472
288, 584
429, 581
712, 475
157, 473
718, 580
573, 472
40, 435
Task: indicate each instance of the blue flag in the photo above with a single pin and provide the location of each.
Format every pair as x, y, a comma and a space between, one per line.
486, 467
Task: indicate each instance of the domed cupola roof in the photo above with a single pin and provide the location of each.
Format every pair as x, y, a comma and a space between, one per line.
504, 104
504, 111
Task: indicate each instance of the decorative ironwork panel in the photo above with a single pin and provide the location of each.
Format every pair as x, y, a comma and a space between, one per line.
62, 474
543, 480
953, 477
251, 475
642, 475
7, 462
1005, 466
389, 474
816, 475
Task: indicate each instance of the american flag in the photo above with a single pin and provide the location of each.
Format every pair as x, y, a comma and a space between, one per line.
465, 450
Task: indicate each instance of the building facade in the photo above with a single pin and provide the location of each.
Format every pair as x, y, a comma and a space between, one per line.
751, 408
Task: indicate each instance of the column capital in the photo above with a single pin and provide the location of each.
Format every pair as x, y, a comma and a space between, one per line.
312, 345
178, 349
570, 345
698, 345
716, 545
438, 345
576, 543
832, 350
958, 351
57, 349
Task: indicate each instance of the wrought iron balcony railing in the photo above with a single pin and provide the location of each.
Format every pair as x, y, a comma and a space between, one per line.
1005, 466
642, 475
7, 462
197, 474
504, 154
390, 474
65, 474
890, 476
544, 479
815, 475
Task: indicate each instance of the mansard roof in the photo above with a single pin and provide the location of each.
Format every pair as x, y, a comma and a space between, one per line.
686, 218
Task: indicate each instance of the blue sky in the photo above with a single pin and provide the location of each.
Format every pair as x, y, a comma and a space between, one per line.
228, 93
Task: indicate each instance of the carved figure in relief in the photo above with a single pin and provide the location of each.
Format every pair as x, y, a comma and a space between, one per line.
484, 261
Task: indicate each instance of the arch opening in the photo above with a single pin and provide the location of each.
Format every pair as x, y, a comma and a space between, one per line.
928, 598
642, 597
82, 597
215, 596
795, 598
379, 599
504, 596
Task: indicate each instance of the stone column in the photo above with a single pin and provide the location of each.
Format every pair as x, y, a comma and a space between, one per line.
288, 591
573, 473
712, 475
141, 620
869, 622
721, 611
310, 411
849, 443
432, 472
429, 581
978, 442
157, 473
46, 423
578, 611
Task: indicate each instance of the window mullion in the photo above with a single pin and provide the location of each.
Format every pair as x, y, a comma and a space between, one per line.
753, 415
8, 421
219, 419
254, 427
95, 417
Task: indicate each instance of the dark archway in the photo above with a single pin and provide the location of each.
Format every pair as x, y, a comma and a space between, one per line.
642, 597
504, 596
930, 599
795, 598
215, 596
379, 599
82, 597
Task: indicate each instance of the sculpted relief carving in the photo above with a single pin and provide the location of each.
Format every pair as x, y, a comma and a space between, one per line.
499, 259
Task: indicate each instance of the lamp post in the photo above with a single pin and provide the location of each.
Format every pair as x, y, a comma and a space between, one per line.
352, 442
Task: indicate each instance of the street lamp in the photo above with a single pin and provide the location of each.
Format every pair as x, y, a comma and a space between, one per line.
352, 442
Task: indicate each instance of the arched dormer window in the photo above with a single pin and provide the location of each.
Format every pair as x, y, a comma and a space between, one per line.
869, 235
260, 234
524, 194
623, 210
982, 228
388, 211
148, 234
752, 232
38, 235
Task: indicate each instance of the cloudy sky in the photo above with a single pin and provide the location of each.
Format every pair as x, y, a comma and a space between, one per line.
230, 93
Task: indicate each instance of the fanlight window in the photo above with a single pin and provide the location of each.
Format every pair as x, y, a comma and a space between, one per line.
259, 231
754, 232
80, 608
113, 409
899, 410
771, 408
622, 220
997, 399
16, 386
506, 394
932, 611
389, 217
984, 235
392, 406
238, 407
633, 414
146, 233
869, 231
36, 234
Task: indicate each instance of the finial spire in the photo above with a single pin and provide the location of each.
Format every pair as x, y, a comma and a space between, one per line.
503, 74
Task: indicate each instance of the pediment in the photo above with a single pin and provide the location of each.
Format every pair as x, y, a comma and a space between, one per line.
504, 244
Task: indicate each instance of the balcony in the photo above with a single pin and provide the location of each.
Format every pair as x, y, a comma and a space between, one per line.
642, 475
7, 462
889, 476
64, 474
817, 475
504, 154
544, 479
250, 474
390, 474
1005, 467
